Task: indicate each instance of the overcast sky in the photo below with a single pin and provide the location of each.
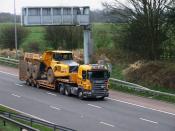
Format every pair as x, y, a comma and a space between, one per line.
7, 5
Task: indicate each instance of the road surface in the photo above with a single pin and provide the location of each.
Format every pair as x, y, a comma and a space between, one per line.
89, 115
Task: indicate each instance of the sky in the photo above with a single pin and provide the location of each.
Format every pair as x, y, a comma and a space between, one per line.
8, 6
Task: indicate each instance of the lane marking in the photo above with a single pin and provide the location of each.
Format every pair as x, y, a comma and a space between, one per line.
16, 95
95, 106
107, 124
148, 120
165, 112
18, 85
8, 73
55, 108
27, 114
49, 93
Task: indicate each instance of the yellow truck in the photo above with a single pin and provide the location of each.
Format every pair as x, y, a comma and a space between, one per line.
56, 70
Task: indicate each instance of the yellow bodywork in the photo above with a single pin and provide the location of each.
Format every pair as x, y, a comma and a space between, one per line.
86, 84
59, 69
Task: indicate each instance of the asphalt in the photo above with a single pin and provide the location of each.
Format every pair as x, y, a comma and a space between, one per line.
87, 115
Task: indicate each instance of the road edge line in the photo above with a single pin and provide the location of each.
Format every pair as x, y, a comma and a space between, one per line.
26, 113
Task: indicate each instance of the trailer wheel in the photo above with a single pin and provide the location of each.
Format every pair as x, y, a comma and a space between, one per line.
37, 85
33, 84
80, 95
27, 83
62, 89
67, 92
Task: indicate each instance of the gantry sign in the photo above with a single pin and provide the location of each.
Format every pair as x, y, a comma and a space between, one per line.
60, 16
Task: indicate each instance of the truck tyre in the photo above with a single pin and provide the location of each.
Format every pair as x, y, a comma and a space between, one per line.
37, 85
50, 76
29, 70
62, 89
67, 92
102, 98
33, 84
27, 83
80, 95
36, 71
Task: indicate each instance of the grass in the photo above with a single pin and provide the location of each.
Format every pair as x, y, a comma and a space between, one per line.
146, 94
117, 72
11, 127
7, 64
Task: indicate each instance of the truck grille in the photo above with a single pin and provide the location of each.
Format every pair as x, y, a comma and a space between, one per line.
99, 88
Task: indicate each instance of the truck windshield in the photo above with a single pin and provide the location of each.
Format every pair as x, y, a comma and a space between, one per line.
97, 74
63, 56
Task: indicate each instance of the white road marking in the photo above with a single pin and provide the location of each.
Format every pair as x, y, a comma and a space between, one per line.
94, 106
165, 112
18, 85
148, 120
107, 124
26, 114
49, 93
8, 73
16, 95
55, 108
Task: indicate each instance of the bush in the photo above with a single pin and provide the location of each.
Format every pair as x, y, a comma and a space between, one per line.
7, 36
34, 46
64, 37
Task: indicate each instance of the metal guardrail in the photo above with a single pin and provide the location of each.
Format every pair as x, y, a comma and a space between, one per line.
35, 121
18, 124
138, 87
113, 80
9, 60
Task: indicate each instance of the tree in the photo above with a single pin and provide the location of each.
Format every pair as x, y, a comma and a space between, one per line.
7, 36
145, 35
7, 17
64, 37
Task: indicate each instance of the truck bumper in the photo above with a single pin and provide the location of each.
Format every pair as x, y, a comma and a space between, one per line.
94, 94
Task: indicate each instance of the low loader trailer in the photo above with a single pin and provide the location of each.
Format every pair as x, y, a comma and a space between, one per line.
84, 81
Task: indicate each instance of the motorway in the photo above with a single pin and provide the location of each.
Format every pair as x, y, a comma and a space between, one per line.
87, 115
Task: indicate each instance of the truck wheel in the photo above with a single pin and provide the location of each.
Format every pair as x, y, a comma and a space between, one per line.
33, 84
102, 98
36, 71
27, 83
62, 89
80, 95
29, 70
67, 92
37, 85
50, 76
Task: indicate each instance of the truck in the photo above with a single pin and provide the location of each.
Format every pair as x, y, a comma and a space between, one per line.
58, 71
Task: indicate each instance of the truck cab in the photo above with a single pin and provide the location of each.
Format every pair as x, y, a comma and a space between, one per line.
93, 81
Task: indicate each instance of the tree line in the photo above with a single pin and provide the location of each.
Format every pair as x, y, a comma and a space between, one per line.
150, 29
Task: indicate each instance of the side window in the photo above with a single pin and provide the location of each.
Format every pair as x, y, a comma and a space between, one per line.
84, 75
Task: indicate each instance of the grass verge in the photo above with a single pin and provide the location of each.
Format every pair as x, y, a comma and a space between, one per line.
146, 94
8, 64
11, 127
